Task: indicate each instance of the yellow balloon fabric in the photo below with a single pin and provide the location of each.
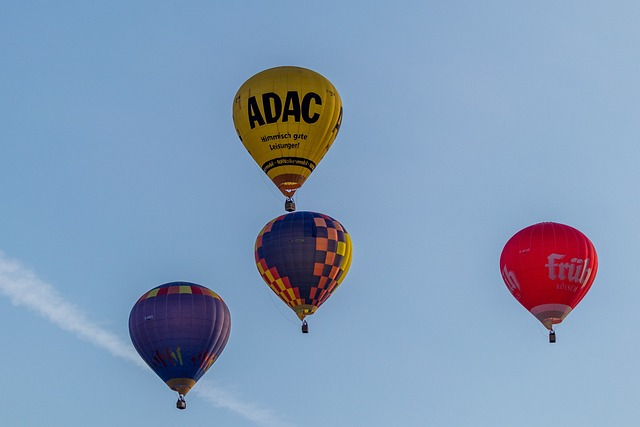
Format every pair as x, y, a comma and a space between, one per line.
287, 118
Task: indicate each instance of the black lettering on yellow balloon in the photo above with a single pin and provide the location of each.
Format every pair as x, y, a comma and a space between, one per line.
272, 108
306, 107
272, 105
291, 107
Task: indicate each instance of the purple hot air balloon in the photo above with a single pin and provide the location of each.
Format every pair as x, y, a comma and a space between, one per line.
179, 329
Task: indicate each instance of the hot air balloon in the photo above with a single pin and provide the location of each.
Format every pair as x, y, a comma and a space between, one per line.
179, 329
287, 118
303, 257
549, 267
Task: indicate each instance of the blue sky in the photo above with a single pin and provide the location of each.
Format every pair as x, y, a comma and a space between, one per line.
463, 122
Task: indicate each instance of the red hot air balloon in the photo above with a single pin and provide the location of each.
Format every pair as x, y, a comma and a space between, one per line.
549, 268
179, 329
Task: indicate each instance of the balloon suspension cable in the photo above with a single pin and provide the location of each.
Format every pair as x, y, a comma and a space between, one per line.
305, 327
181, 403
289, 205
552, 336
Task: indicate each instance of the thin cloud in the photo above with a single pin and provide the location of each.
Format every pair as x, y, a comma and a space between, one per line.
24, 288
255, 413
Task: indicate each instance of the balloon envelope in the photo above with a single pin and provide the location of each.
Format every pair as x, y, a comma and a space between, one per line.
549, 267
287, 118
179, 329
303, 257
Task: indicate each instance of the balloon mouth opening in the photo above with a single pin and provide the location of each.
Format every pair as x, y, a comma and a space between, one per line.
304, 310
181, 385
288, 183
550, 314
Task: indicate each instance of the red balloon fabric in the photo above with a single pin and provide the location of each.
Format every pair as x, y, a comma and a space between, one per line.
549, 268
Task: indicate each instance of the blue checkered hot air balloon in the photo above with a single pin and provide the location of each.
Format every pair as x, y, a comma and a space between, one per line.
303, 257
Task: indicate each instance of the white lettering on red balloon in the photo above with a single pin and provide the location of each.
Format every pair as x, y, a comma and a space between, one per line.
576, 271
511, 282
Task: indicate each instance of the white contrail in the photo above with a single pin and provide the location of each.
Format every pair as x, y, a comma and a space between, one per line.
255, 413
24, 288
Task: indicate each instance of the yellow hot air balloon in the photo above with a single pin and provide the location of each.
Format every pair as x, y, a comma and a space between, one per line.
287, 118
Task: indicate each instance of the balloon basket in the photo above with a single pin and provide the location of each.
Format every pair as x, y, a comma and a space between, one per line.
305, 327
289, 205
552, 337
181, 403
